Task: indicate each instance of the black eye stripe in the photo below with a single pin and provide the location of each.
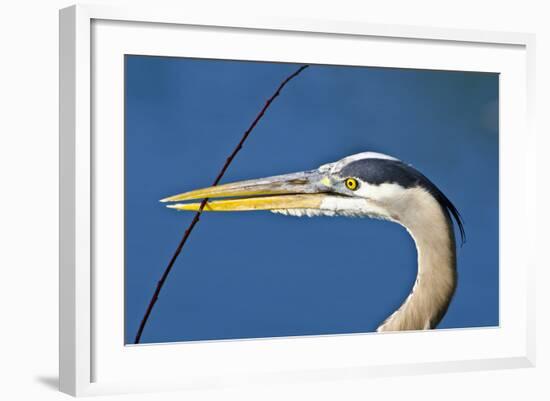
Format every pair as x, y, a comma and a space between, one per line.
380, 171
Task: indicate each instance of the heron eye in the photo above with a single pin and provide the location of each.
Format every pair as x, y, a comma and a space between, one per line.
351, 183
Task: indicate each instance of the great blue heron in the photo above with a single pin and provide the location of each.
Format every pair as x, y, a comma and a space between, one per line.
363, 185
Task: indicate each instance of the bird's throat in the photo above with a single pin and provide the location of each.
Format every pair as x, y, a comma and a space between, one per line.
431, 228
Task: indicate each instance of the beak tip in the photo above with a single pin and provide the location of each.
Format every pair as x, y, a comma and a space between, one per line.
172, 198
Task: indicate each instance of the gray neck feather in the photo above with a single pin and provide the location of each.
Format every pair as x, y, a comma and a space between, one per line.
430, 227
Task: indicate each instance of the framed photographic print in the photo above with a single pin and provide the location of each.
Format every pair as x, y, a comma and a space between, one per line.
265, 201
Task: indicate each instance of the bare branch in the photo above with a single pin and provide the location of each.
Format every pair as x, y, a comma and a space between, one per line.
196, 218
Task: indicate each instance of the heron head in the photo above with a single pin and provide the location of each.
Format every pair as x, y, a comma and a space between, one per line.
363, 185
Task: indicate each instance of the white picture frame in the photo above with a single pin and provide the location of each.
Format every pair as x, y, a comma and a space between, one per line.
91, 37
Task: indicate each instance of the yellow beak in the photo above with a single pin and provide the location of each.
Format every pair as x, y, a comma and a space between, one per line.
303, 190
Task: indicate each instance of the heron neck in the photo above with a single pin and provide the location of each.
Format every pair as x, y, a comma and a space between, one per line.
431, 229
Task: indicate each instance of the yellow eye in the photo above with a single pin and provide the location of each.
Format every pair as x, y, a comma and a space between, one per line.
351, 183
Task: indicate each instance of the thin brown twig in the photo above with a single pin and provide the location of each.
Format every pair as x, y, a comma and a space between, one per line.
196, 218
